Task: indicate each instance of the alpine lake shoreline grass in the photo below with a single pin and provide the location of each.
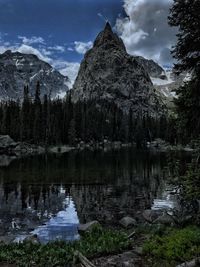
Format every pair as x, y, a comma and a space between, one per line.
97, 242
161, 246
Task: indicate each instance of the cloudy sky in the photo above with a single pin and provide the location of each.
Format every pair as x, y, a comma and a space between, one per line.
61, 31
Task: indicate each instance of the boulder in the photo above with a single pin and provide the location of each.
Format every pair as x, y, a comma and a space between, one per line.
7, 142
127, 222
61, 149
87, 227
151, 215
164, 219
32, 239
158, 143
193, 263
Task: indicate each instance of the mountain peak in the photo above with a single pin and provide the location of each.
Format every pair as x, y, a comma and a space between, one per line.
108, 74
108, 27
18, 69
109, 39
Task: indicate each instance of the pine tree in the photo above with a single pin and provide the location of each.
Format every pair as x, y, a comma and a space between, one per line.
185, 15
72, 133
130, 126
25, 116
6, 119
37, 116
14, 110
45, 120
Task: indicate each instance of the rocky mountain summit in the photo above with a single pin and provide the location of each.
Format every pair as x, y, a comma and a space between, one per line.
109, 73
17, 70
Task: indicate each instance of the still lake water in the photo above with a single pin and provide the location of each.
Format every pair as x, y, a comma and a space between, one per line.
51, 194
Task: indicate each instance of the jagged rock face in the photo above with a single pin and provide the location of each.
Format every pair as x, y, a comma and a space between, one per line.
154, 70
108, 73
17, 70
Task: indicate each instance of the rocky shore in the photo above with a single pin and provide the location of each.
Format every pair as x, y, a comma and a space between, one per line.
11, 150
137, 234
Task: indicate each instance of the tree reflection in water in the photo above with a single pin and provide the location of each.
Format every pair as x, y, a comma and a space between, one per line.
63, 190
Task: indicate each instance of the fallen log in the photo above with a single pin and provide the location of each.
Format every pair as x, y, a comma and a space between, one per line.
131, 235
83, 260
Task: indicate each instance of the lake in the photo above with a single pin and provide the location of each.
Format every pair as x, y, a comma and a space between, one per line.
51, 194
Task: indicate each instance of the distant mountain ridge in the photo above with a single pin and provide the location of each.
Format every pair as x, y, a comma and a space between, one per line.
17, 70
154, 69
109, 73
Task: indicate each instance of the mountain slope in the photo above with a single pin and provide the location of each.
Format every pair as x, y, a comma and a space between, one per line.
154, 70
108, 73
17, 70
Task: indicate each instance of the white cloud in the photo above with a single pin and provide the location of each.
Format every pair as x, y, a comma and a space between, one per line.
44, 51
27, 49
145, 30
31, 40
70, 49
42, 54
58, 48
81, 47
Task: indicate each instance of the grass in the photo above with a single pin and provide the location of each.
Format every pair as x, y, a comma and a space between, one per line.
173, 246
96, 243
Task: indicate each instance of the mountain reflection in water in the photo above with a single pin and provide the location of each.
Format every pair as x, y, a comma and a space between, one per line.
52, 194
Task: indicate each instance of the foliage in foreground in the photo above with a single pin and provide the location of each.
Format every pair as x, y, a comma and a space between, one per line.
185, 175
177, 245
98, 242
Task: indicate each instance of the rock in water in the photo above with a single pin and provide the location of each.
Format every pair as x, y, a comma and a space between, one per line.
108, 73
17, 70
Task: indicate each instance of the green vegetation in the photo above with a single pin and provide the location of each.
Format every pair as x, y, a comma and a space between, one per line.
185, 16
185, 175
48, 122
191, 181
98, 242
173, 245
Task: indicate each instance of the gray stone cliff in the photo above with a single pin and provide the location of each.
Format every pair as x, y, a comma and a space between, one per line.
109, 73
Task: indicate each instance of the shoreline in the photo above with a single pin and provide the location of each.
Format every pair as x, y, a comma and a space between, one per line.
11, 150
